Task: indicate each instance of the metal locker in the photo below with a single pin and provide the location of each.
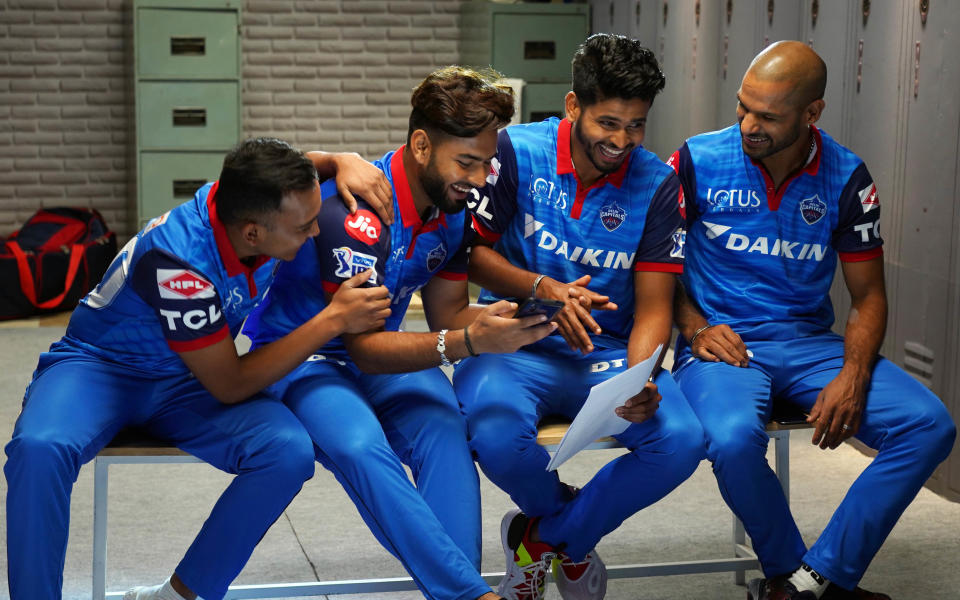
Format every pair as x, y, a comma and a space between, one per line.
610, 16
875, 127
686, 106
739, 42
931, 89
780, 21
641, 17
828, 28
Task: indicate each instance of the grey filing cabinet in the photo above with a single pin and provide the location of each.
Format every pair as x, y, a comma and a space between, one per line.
533, 42
187, 95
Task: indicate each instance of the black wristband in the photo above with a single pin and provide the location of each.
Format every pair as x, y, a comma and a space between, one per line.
466, 341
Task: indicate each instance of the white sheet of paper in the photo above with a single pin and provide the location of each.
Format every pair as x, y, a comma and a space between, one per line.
596, 418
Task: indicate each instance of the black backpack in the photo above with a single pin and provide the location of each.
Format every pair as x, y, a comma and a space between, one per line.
51, 262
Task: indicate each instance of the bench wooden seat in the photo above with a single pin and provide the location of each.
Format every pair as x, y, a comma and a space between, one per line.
134, 446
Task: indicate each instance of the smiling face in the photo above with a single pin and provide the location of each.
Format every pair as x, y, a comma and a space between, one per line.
605, 132
770, 119
281, 233
455, 167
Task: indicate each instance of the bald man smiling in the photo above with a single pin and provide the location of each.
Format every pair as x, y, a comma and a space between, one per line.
771, 204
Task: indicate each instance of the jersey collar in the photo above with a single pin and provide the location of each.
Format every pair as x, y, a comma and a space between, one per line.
408, 210
228, 255
811, 168
565, 167
565, 159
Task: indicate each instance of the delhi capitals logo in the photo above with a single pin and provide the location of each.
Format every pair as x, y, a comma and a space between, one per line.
612, 216
436, 257
812, 209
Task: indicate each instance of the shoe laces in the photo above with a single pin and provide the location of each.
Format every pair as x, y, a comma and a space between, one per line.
534, 580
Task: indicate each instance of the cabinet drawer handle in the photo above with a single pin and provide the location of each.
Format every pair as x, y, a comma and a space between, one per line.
189, 117
186, 188
540, 50
188, 46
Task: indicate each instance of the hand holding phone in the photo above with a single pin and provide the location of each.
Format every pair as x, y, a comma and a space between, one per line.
538, 306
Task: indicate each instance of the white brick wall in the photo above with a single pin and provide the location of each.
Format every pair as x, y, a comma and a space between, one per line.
328, 74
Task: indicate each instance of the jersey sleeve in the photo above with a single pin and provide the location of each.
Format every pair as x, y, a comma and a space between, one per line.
350, 244
494, 205
184, 299
857, 237
664, 235
682, 165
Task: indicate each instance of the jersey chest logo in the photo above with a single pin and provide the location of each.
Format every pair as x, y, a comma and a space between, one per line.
364, 227
612, 216
812, 209
436, 257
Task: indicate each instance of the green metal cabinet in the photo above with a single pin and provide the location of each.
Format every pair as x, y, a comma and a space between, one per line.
533, 42
187, 90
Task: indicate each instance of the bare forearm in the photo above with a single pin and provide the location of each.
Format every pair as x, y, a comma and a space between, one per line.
236, 380
866, 327
648, 332
494, 272
403, 351
685, 313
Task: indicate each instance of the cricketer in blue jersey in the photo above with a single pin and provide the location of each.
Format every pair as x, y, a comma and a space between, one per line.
374, 401
152, 347
772, 203
574, 202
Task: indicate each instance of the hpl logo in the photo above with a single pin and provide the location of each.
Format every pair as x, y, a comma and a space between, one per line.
349, 263
868, 198
180, 284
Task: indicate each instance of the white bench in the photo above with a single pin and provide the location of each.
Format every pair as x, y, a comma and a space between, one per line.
133, 447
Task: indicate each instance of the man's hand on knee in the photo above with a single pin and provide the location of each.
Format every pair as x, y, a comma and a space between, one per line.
720, 343
837, 412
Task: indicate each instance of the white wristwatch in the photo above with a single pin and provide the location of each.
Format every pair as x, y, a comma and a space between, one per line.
442, 347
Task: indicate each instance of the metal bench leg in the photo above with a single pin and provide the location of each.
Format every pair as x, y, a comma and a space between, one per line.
781, 453
99, 528
739, 541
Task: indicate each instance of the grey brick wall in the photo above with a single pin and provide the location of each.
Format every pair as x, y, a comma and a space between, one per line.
327, 74
337, 75
64, 108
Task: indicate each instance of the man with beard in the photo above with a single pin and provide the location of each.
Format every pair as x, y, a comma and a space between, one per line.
772, 203
574, 202
375, 400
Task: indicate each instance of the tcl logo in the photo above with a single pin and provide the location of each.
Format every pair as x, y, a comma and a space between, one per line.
192, 319
179, 284
363, 227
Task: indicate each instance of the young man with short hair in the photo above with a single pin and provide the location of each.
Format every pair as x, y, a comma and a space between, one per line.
772, 203
571, 203
152, 347
372, 401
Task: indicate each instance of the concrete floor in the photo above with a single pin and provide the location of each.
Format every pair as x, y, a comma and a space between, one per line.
156, 509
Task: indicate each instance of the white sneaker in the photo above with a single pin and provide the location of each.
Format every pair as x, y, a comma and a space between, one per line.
163, 591
526, 575
585, 580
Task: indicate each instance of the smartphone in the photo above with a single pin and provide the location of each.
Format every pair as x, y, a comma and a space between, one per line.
538, 306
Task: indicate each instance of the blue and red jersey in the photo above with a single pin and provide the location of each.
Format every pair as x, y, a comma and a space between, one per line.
762, 260
404, 257
541, 219
176, 286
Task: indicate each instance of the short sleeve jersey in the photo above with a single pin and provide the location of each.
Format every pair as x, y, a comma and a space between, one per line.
541, 219
404, 256
760, 260
176, 286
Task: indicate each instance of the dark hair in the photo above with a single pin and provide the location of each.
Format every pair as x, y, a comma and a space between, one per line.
257, 174
460, 102
613, 66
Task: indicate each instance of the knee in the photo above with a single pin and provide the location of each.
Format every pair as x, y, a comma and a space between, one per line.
288, 454
938, 431
497, 441
684, 442
38, 451
736, 443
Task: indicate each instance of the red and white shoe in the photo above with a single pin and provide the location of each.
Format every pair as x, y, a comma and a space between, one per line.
585, 580
527, 561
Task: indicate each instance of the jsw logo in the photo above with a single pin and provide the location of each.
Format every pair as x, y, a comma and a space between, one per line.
763, 245
592, 257
194, 319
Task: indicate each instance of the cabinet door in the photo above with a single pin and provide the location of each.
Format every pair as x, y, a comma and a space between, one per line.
537, 47
641, 17
168, 179
739, 42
